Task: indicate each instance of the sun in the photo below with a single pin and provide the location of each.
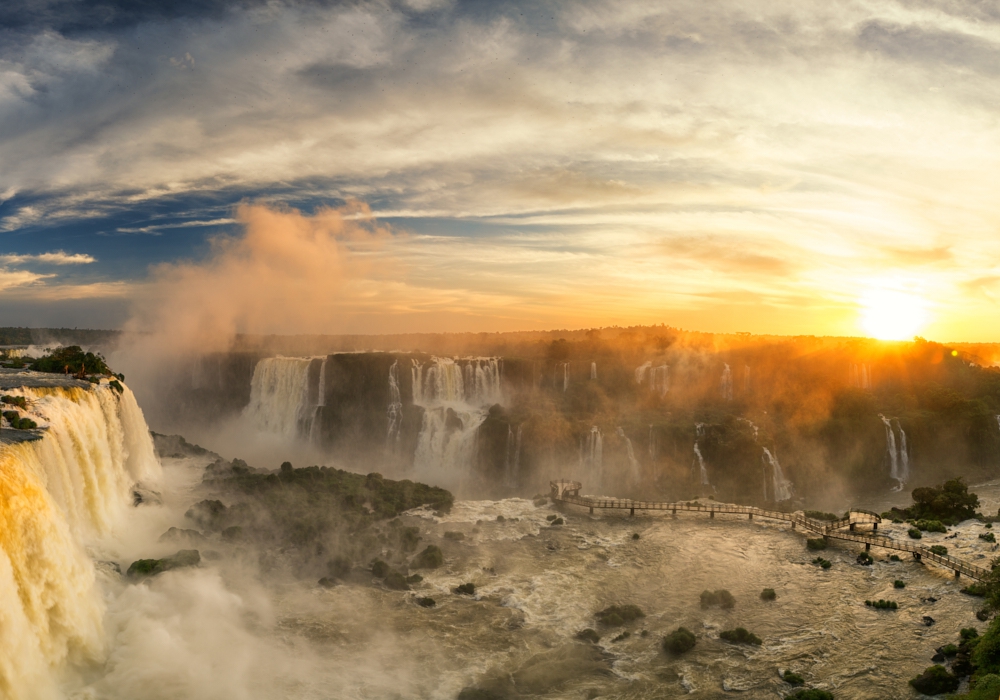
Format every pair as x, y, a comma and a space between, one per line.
892, 315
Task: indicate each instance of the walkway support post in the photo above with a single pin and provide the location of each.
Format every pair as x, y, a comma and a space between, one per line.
631, 511
852, 527
868, 546
751, 516
591, 510
874, 527
711, 513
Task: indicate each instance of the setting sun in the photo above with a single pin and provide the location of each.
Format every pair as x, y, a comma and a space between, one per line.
892, 315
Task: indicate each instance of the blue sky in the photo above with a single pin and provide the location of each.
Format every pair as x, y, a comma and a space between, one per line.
757, 166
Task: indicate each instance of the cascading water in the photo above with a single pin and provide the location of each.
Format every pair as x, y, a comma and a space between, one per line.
395, 409
57, 494
640, 372
866, 377
593, 370
726, 383
781, 488
279, 397
652, 443
904, 456
565, 376
633, 463
702, 471
899, 458
746, 379
513, 461
592, 455
659, 379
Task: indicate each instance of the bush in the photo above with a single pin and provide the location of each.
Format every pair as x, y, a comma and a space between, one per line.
810, 694
466, 589
151, 567
882, 604
817, 543
824, 563
18, 423
968, 633
935, 680
894, 557
679, 641
635, 535
939, 549
380, 569
987, 688
552, 517
865, 559
720, 597
18, 401
430, 558
793, 678
988, 536
949, 502
931, 526
558, 521
768, 594
898, 584
914, 533
976, 589
949, 649
454, 536
588, 635
820, 515
740, 635
414, 578
71, 360
624, 635
619, 615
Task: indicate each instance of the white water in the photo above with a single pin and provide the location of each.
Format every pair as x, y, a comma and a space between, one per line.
746, 379
58, 495
899, 458
659, 379
781, 488
640, 372
702, 471
652, 443
565, 376
477, 382
632, 461
279, 396
726, 383
904, 455
593, 370
395, 409
592, 456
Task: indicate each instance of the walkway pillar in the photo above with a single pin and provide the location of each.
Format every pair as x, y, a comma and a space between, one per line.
852, 527
751, 516
916, 555
711, 513
793, 524
874, 527
631, 511
868, 546
591, 510
957, 574
674, 512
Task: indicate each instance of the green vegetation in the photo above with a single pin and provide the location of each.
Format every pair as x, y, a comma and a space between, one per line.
793, 678
431, 558
865, 559
987, 687
768, 594
988, 536
898, 584
588, 635
949, 650
817, 543
380, 569
882, 604
19, 423
950, 503
894, 557
558, 521
635, 535
740, 635
18, 401
915, 533
454, 536
935, 680
939, 549
810, 694
720, 597
679, 641
976, 589
71, 360
624, 635
142, 568
395, 581
968, 633
619, 614
931, 526
821, 562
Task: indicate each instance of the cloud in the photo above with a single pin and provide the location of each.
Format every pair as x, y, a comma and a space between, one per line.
157, 229
11, 279
56, 258
730, 256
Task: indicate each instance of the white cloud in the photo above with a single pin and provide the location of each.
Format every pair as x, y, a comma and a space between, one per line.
55, 258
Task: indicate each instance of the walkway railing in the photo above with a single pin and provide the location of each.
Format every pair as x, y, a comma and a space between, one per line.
569, 492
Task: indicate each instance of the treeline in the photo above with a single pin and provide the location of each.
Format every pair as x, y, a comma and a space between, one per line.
56, 336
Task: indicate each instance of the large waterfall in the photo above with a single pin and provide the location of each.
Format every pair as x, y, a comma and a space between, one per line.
58, 494
726, 383
395, 409
455, 395
699, 429
899, 457
781, 488
659, 377
633, 463
280, 398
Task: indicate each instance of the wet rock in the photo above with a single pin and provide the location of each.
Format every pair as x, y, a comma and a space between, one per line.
180, 535
431, 558
207, 514
143, 496
426, 602
928, 620
930, 600
395, 581
380, 569
327, 582
935, 680
466, 589
232, 534
500, 519
938, 658
588, 635
619, 614
142, 568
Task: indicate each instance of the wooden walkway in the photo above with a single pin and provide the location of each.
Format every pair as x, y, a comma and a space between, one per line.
569, 492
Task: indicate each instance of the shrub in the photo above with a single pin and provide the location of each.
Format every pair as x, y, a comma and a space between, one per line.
18, 401
931, 526
151, 567
768, 594
949, 502
720, 597
619, 615
624, 635
466, 589
939, 549
898, 584
914, 533
894, 557
635, 535
455, 536
380, 569
988, 536
865, 559
968, 633
935, 680
679, 641
740, 635
558, 521
820, 515
821, 562
414, 578
817, 543
810, 694
430, 558
949, 649
793, 678
976, 589
987, 688
882, 604
71, 360
552, 517
588, 635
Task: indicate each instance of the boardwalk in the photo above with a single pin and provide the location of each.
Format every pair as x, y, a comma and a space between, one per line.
569, 492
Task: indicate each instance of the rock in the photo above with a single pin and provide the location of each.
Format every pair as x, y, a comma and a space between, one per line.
466, 589
141, 496
339, 566
619, 615
431, 558
180, 535
938, 658
231, 534
208, 514
935, 680
500, 519
928, 620
679, 641
426, 602
395, 581
588, 635
327, 582
142, 568
380, 569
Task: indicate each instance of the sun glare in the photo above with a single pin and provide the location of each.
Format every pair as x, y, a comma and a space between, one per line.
891, 315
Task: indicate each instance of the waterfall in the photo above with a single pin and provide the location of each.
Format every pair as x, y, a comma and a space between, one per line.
652, 444
279, 396
593, 370
321, 389
659, 379
565, 376
998, 421
899, 459
395, 410
727, 383
513, 462
781, 488
447, 443
702, 472
640, 372
632, 461
475, 382
592, 456
866, 377
852, 377
746, 379
58, 494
